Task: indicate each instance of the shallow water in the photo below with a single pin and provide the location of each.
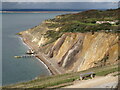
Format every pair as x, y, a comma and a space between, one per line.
18, 70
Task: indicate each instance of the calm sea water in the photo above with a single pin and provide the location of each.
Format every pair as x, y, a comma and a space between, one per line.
19, 70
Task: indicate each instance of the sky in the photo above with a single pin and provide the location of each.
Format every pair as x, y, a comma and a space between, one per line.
56, 4
59, 0
59, 5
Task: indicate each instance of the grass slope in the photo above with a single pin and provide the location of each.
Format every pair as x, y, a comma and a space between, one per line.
64, 79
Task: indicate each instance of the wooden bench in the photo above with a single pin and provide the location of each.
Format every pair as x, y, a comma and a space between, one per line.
85, 75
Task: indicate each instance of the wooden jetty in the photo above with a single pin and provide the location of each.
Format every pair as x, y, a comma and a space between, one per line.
24, 56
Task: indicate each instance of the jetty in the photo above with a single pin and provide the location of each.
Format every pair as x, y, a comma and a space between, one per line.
29, 54
24, 56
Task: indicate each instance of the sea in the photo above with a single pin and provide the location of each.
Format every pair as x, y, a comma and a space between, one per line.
23, 69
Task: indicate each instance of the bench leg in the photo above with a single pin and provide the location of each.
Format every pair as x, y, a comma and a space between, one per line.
92, 76
81, 78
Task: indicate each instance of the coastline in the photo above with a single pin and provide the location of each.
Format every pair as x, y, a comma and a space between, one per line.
24, 43
45, 66
51, 68
39, 12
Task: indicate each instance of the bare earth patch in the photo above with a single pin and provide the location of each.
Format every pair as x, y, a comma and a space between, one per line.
97, 82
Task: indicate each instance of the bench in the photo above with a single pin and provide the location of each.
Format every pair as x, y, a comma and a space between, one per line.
85, 75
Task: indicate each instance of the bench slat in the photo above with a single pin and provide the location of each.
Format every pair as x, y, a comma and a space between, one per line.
87, 73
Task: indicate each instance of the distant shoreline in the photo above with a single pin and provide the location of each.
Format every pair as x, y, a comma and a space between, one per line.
39, 11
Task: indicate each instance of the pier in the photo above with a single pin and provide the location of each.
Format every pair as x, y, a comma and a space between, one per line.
24, 56
29, 54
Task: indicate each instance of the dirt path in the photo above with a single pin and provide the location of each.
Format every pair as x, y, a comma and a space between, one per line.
98, 82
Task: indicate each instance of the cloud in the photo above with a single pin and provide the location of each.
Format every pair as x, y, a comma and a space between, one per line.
59, 0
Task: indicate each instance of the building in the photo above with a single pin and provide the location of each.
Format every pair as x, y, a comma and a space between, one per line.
111, 22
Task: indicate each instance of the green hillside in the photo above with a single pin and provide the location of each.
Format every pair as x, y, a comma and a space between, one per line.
83, 22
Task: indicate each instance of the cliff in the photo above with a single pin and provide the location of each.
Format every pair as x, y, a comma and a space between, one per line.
72, 45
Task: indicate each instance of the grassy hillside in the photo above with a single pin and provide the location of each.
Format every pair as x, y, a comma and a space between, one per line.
64, 79
82, 22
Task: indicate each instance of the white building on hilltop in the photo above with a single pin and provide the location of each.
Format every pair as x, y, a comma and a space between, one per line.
111, 22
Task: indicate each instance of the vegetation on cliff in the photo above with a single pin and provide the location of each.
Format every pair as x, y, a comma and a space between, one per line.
82, 22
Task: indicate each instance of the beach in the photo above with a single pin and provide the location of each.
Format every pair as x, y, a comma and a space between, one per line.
50, 64
26, 44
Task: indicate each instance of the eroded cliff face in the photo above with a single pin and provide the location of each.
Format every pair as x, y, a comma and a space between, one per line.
80, 51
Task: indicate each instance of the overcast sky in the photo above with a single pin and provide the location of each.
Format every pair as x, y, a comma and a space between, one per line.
59, 5
59, 0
